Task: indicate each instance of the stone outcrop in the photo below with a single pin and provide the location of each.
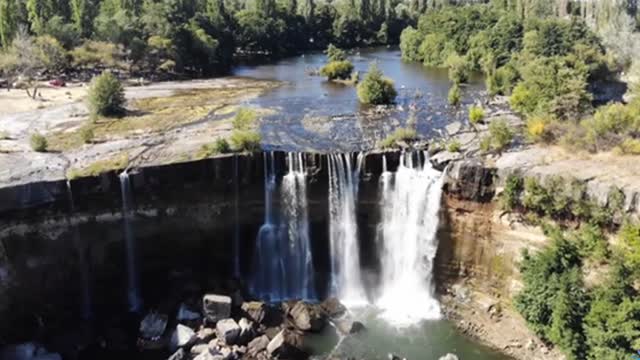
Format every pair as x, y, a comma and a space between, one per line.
216, 307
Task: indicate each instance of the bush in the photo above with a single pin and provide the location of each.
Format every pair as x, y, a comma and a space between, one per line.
454, 146
245, 140
245, 119
400, 134
106, 95
97, 54
629, 235
454, 96
591, 242
476, 115
500, 136
335, 54
410, 41
510, 196
375, 89
629, 147
337, 70
220, 146
87, 135
38, 143
459, 68
538, 129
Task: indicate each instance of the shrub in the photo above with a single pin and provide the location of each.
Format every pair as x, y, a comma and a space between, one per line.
38, 143
337, 70
454, 96
538, 129
476, 115
400, 134
459, 68
454, 146
245, 119
106, 95
510, 196
245, 140
335, 54
96, 54
375, 89
500, 136
220, 146
87, 135
629, 235
591, 242
629, 147
410, 40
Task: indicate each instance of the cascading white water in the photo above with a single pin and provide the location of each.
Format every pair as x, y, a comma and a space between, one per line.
410, 204
85, 301
300, 284
346, 281
133, 291
283, 266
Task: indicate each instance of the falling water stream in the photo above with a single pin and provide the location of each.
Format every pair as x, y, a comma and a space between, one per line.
133, 291
409, 206
346, 281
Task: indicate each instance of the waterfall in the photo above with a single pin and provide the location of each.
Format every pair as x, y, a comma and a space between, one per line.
346, 282
409, 208
300, 284
85, 289
283, 266
268, 267
133, 291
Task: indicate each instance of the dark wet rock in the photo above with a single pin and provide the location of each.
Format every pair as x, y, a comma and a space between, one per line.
255, 311
180, 354
395, 357
333, 308
228, 331
182, 336
257, 345
287, 344
216, 307
153, 325
185, 313
349, 326
307, 317
247, 331
471, 180
443, 158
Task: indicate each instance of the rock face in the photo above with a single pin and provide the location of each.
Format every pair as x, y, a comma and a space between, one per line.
286, 345
216, 307
257, 345
228, 331
333, 308
471, 179
255, 311
307, 317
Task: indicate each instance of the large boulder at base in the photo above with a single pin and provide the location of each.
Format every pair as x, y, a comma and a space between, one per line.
180, 354
449, 356
216, 307
182, 336
333, 308
307, 317
261, 313
286, 345
257, 345
228, 331
153, 326
348, 326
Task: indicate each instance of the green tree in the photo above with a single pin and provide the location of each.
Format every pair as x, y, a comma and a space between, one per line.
106, 95
376, 89
337, 70
8, 24
335, 54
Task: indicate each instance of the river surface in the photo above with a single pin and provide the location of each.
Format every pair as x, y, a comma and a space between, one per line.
315, 114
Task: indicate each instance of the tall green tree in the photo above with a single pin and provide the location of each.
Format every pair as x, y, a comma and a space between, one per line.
8, 22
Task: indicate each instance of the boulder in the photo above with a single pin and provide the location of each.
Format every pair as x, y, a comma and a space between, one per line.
180, 354
206, 334
216, 307
333, 308
286, 345
255, 311
247, 331
449, 356
348, 326
153, 326
182, 336
257, 345
198, 349
228, 331
307, 317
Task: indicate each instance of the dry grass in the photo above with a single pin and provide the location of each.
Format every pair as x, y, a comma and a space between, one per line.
118, 162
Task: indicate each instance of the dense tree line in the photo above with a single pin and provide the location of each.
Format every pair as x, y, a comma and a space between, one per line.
197, 36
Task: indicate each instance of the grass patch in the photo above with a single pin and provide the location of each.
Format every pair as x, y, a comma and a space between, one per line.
399, 135
96, 168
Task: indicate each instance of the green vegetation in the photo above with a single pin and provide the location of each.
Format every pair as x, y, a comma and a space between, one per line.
106, 95
476, 115
117, 162
87, 135
510, 196
38, 143
198, 37
376, 89
500, 136
400, 135
244, 136
220, 146
454, 146
337, 70
454, 96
